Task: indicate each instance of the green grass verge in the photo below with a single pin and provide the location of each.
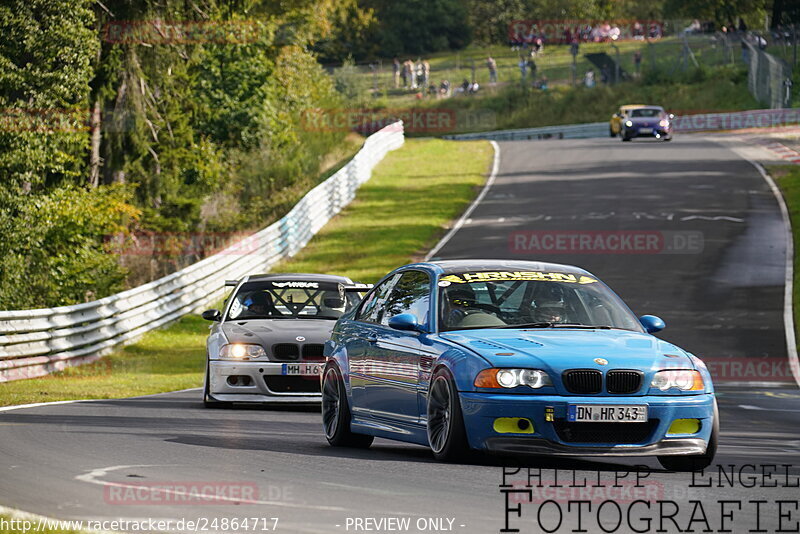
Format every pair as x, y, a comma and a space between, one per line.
400, 213
788, 179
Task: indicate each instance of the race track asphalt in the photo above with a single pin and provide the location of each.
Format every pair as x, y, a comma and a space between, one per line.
91, 460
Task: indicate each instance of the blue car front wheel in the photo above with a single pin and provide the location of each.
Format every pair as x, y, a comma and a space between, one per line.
446, 434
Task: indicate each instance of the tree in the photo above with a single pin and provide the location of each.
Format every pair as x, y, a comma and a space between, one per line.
45, 70
420, 26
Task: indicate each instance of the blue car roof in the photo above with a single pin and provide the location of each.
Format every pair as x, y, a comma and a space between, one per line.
453, 266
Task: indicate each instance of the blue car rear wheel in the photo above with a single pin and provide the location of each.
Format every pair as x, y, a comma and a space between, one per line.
336, 413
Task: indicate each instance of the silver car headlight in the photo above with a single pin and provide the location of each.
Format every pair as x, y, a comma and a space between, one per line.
241, 351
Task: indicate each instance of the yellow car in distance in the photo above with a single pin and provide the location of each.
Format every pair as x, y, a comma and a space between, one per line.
615, 124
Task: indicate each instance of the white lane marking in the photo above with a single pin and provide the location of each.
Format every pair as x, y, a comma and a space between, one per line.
749, 407
707, 218
456, 227
37, 404
55, 403
93, 477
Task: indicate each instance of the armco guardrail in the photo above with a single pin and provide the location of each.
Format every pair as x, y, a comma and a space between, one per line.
737, 120
38, 342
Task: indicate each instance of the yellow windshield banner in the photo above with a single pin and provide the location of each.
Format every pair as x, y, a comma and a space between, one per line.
504, 276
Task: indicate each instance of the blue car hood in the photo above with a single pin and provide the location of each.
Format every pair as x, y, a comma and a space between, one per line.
559, 349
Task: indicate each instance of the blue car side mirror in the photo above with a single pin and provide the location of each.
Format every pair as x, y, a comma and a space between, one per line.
652, 324
404, 321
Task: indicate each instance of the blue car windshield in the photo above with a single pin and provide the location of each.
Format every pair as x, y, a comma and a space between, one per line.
530, 299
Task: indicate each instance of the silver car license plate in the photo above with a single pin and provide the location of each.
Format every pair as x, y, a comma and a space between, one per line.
301, 369
606, 413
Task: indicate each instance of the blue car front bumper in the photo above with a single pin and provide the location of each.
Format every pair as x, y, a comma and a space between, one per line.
560, 437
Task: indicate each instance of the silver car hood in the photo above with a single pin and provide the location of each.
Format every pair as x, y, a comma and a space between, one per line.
267, 332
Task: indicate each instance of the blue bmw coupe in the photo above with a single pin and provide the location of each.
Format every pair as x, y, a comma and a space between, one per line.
513, 357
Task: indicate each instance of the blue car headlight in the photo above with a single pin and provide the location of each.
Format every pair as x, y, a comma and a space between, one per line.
512, 378
628, 123
241, 351
682, 379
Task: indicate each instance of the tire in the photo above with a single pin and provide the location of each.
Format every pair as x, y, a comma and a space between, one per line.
336, 415
208, 400
668, 138
625, 138
447, 436
695, 462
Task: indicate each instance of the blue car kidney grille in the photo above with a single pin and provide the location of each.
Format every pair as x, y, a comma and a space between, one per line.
583, 381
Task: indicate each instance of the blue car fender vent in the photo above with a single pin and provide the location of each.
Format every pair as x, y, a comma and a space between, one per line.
487, 345
531, 342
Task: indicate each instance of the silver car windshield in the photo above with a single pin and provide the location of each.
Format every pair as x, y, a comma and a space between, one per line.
530, 299
290, 299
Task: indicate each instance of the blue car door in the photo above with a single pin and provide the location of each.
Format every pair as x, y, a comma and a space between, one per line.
362, 335
392, 363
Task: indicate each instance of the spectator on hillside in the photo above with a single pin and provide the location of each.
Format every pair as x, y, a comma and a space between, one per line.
396, 72
541, 84
523, 68
444, 88
637, 62
532, 68
638, 31
405, 74
426, 72
588, 79
465, 86
742, 25
491, 64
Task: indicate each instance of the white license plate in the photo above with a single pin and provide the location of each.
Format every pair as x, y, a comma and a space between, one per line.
645, 130
605, 413
301, 369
